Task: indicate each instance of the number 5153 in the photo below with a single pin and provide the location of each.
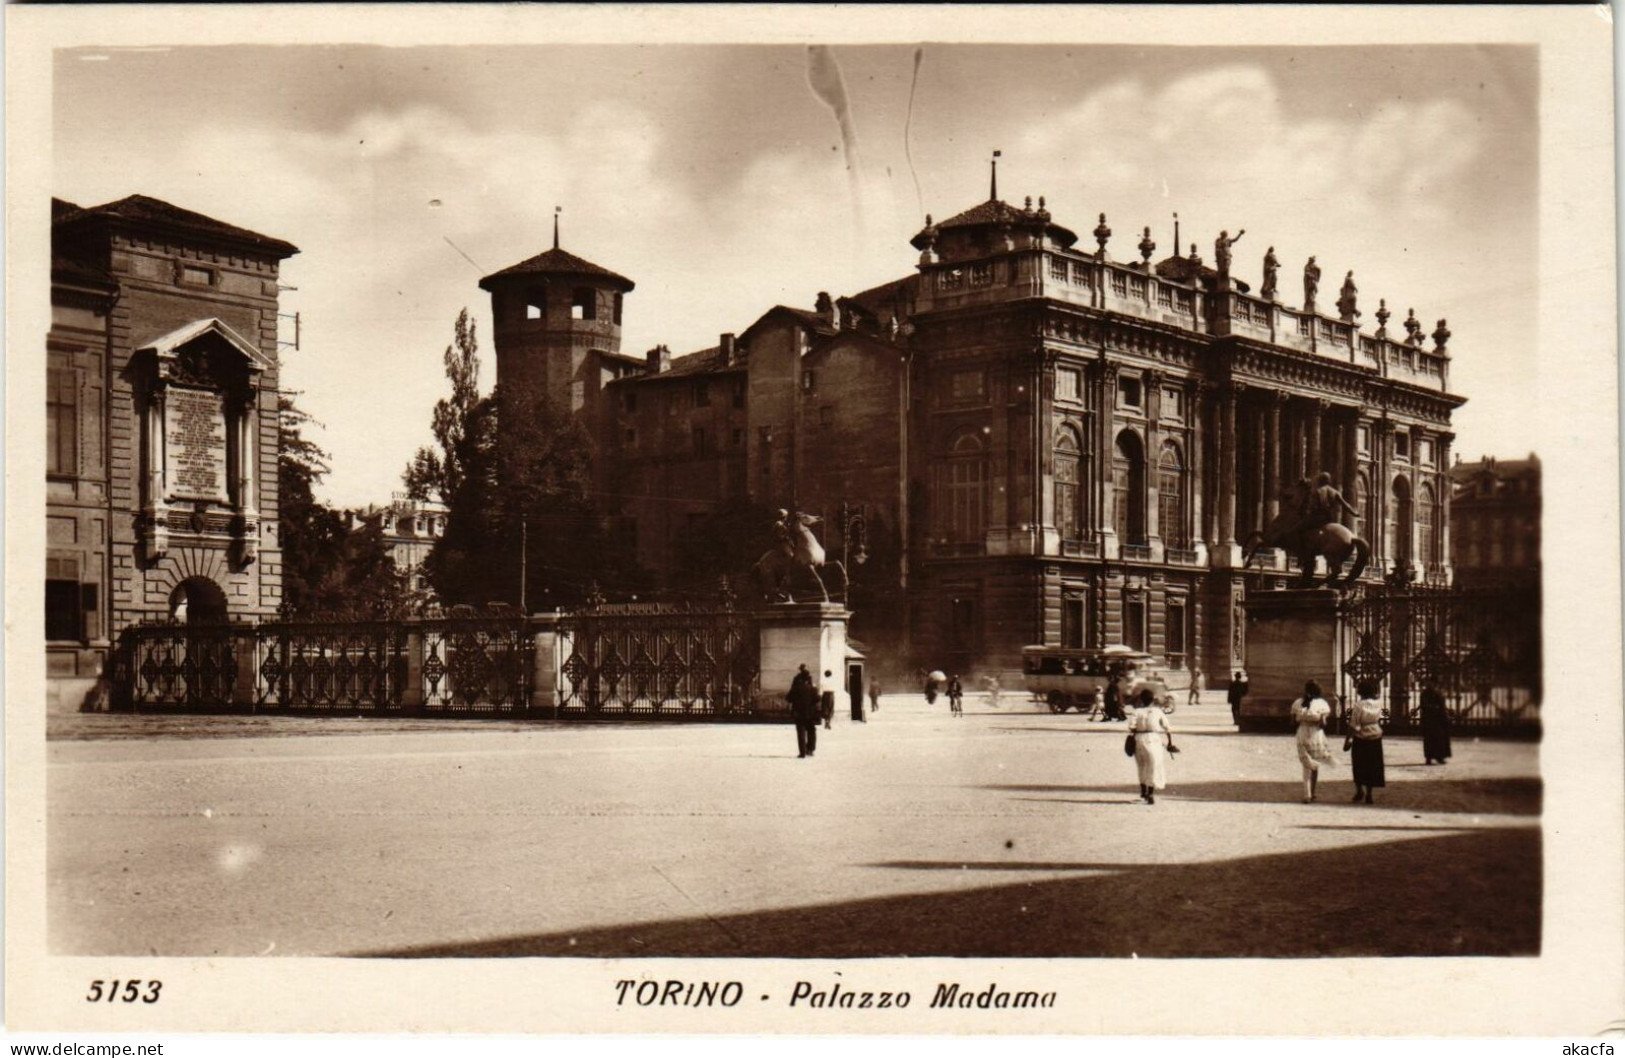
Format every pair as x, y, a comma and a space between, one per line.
131, 991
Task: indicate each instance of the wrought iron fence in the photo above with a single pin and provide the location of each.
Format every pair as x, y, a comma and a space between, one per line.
661, 661
1479, 647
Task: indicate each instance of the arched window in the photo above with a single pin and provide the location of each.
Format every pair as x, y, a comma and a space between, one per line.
1427, 512
1068, 512
966, 498
1399, 521
1128, 488
1171, 521
1362, 504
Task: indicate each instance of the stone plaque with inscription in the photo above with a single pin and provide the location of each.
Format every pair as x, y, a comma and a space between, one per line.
196, 439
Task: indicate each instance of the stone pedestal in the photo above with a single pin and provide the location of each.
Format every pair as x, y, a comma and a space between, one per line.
1291, 637
811, 634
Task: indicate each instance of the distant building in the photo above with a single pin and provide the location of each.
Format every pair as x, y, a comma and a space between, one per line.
1495, 519
410, 528
1051, 445
161, 427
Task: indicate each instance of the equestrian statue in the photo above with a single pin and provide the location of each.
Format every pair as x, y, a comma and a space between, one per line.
1308, 527
795, 549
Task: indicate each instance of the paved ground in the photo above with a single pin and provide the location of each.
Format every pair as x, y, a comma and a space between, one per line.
1007, 832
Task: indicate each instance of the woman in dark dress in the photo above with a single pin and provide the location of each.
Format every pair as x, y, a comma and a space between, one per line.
1435, 726
1365, 735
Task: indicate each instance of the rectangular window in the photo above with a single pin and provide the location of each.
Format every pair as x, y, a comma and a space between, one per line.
702, 442
197, 277
62, 610
1424, 453
62, 422
1173, 404
1134, 622
1128, 393
1364, 435
966, 386
1066, 385
536, 303
1176, 633
1072, 621
808, 380
1402, 445
584, 304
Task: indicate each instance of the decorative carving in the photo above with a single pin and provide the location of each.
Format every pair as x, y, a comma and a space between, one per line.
1383, 315
1147, 245
1102, 233
1413, 329
1441, 335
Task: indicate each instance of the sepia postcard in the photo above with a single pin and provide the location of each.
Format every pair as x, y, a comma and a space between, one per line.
813, 520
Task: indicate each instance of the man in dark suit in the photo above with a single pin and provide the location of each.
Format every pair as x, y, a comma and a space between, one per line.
803, 699
1238, 691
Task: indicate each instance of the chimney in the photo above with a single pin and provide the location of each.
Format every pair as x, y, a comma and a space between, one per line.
825, 307
727, 343
659, 360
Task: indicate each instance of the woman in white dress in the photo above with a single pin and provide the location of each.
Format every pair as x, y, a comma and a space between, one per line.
1310, 714
1152, 739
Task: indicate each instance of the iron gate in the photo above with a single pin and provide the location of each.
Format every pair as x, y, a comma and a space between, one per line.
1480, 647
661, 660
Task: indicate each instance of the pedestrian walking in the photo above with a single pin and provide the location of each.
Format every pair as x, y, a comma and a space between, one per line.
1435, 725
1153, 741
803, 699
1238, 691
1114, 700
1365, 741
993, 689
826, 689
874, 696
1310, 713
933, 683
1198, 685
956, 696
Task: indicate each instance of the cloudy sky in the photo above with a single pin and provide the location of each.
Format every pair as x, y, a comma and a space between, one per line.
722, 180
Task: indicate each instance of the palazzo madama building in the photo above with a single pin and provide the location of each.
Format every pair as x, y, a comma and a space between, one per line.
1053, 440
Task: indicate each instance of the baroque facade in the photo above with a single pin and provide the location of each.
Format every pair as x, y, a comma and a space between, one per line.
161, 427
1050, 445
1495, 522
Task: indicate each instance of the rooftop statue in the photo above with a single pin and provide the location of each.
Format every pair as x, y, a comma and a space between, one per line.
1311, 284
1347, 301
1413, 329
1221, 251
1272, 271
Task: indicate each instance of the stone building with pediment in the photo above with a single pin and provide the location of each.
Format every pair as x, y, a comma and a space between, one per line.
1063, 446
161, 428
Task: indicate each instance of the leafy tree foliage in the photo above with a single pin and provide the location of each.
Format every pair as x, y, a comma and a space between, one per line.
326, 568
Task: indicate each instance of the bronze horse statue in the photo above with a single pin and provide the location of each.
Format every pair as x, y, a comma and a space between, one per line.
1330, 539
799, 551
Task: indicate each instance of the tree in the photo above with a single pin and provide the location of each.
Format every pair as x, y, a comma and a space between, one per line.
438, 473
326, 568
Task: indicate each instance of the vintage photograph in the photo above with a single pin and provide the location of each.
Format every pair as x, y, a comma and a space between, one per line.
796, 500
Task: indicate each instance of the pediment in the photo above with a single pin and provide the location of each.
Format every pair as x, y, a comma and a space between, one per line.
169, 346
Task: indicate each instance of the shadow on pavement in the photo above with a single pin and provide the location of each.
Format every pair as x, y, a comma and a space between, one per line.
1480, 796
1475, 893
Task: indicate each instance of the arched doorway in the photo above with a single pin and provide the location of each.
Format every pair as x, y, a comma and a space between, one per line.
198, 601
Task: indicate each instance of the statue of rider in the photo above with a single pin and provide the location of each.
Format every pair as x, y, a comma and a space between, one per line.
1322, 505
783, 540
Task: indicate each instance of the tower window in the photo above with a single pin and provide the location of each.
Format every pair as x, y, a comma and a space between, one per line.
617, 309
583, 304
536, 303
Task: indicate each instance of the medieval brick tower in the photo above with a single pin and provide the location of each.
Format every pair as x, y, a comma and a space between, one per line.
558, 330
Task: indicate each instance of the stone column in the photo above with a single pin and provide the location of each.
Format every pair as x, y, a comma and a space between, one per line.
1153, 460
1272, 480
1349, 438
412, 688
1227, 474
1260, 418
545, 664
1381, 438
1196, 468
1107, 389
157, 534
1443, 489
1317, 413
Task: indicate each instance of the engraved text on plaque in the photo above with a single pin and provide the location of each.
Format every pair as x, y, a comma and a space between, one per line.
196, 440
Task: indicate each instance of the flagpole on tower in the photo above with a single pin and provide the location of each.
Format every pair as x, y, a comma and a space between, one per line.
993, 189
556, 211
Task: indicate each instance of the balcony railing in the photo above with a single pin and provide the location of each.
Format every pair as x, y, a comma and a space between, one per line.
1184, 556
1137, 552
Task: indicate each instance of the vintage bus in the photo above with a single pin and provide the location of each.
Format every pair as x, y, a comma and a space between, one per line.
1069, 678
